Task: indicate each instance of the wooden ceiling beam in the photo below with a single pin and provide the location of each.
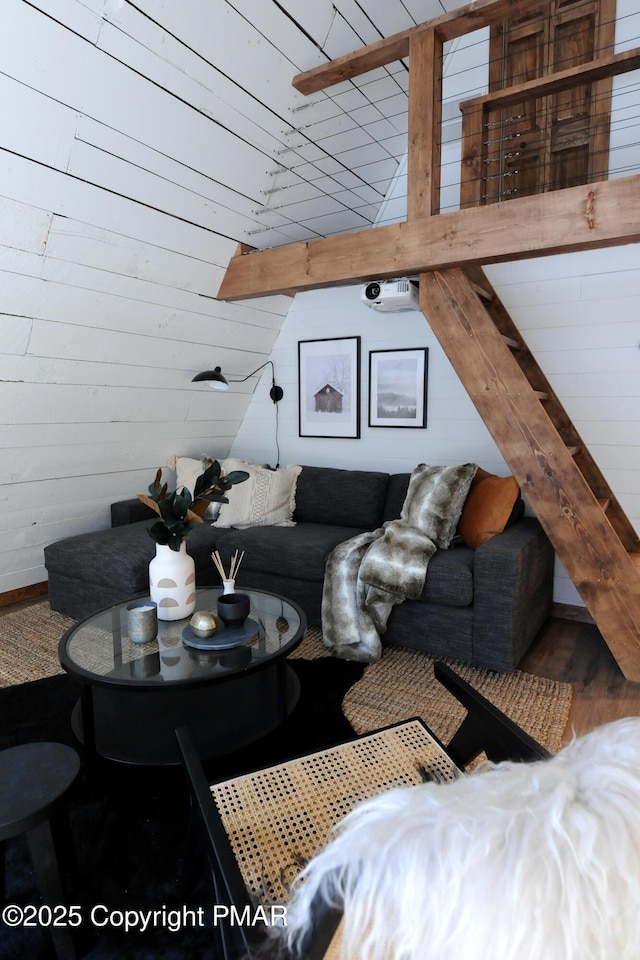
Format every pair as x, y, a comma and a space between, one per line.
595, 215
465, 20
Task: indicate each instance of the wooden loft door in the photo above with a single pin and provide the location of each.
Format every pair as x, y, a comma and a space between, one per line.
548, 142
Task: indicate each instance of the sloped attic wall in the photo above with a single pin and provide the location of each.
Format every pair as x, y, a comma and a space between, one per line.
113, 241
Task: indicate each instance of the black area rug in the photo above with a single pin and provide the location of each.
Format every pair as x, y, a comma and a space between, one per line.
131, 826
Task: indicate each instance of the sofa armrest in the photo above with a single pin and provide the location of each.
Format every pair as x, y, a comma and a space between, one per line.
512, 593
130, 511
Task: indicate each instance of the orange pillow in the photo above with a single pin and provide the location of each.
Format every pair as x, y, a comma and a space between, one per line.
487, 508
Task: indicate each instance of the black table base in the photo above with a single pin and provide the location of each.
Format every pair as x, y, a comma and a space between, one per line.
137, 725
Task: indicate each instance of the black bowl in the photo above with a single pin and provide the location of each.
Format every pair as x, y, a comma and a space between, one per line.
233, 608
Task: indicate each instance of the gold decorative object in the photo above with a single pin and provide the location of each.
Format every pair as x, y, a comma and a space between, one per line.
203, 623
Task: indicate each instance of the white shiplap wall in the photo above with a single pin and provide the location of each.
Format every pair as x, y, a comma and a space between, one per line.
115, 230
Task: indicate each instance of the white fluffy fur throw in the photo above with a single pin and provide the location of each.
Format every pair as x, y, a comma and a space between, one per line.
535, 861
367, 575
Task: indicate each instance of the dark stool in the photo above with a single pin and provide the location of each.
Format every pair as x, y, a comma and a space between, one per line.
35, 780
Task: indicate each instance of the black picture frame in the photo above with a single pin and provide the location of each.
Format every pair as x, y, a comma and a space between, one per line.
329, 388
398, 381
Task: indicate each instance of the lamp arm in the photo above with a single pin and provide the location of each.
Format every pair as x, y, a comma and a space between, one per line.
257, 370
276, 393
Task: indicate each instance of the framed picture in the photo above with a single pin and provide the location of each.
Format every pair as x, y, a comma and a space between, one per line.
398, 388
329, 385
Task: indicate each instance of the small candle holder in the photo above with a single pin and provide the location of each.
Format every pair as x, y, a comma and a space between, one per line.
142, 621
233, 608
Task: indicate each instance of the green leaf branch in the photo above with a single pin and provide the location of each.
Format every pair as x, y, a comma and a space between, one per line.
180, 511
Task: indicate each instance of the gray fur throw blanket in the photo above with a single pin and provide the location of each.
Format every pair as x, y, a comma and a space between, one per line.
369, 574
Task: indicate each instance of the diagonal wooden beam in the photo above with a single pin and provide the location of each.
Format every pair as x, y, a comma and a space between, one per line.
474, 16
550, 478
596, 215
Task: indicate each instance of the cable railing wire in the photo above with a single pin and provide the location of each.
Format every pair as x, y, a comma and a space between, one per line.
546, 46
358, 171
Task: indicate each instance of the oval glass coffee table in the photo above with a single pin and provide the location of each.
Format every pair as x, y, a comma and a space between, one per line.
133, 696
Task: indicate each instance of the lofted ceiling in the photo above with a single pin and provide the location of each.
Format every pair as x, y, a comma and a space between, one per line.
285, 167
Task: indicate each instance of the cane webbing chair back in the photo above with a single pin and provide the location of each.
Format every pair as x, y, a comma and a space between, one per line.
262, 827
277, 819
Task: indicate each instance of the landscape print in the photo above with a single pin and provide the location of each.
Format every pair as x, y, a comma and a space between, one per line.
398, 388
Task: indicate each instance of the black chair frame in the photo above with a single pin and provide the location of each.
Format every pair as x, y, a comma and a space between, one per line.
484, 728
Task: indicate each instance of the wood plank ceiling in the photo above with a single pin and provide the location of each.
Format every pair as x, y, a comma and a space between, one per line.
283, 167
274, 166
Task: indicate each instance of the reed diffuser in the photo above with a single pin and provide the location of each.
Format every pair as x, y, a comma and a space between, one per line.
228, 580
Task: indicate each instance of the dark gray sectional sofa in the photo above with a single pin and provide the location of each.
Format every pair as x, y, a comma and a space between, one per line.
482, 606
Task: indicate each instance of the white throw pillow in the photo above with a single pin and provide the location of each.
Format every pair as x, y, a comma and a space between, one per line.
266, 499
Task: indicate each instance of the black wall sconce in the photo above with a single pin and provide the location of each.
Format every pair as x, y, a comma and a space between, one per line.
216, 380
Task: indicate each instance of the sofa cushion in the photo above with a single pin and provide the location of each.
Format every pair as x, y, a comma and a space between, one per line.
450, 578
119, 554
346, 498
435, 499
188, 469
396, 493
299, 552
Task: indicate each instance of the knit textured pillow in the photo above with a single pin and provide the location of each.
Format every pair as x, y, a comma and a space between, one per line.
266, 499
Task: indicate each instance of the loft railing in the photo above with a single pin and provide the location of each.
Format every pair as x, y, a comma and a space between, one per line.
488, 173
440, 230
499, 160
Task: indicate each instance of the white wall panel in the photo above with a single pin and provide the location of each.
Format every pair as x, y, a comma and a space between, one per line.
217, 31
48, 136
14, 333
121, 201
113, 434
81, 16
173, 66
22, 227
53, 191
392, 17
75, 242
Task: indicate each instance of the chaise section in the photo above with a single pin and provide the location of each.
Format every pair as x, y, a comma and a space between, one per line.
93, 570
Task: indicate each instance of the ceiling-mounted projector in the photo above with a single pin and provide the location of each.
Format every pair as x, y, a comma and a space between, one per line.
391, 296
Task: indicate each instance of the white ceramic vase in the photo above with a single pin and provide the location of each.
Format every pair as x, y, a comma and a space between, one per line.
172, 582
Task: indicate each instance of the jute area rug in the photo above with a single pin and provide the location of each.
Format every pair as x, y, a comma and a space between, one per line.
402, 685
29, 643
399, 686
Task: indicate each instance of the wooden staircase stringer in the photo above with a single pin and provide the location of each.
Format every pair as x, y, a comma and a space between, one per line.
604, 571
555, 410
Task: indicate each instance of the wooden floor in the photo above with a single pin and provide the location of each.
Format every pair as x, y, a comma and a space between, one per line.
566, 650
576, 653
